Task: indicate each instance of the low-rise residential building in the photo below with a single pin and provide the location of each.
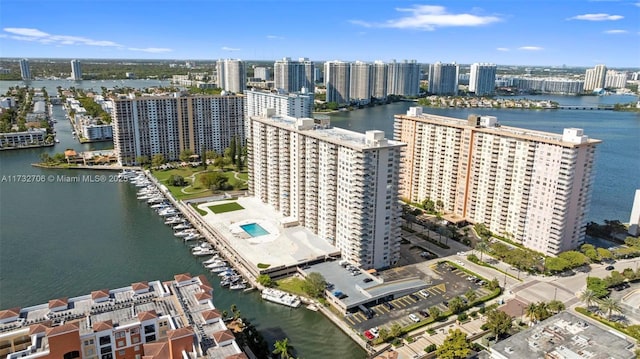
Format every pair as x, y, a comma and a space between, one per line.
32, 137
165, 320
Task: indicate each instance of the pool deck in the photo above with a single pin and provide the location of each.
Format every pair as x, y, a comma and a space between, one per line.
281, 247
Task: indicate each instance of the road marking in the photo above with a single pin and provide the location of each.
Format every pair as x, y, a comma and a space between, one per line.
348, 319
381, 310
437, 289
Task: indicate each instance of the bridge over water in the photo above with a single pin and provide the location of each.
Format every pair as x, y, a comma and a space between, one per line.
586, 107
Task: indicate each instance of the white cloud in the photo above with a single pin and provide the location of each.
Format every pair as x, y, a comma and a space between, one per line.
429, 17
502, 49
29, 34
275, 37
227, 48
530, 48
596, 17
615, 31
153, 50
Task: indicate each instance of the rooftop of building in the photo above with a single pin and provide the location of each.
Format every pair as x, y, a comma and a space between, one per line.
496, 128
322, 130
286, 244
355, 290
565, 336
184, 302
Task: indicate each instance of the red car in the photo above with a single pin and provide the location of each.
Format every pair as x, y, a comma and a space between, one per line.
368, 335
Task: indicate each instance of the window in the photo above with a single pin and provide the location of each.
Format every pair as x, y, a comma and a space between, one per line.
105, 340
71, 355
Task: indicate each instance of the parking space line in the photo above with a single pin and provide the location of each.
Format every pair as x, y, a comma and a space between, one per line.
359, 317
348, 319
380, 310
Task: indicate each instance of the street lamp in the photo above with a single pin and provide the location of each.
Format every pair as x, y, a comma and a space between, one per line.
555, 292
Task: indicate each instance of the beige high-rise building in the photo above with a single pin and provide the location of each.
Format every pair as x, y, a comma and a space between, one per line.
291, 76
530, 186
337, 77
231, 75
595, 78
360, 82
341, 185
168, 125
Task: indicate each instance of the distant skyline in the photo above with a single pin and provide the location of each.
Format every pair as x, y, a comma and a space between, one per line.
537, 33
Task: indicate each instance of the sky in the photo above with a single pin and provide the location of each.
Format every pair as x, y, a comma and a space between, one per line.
504, 32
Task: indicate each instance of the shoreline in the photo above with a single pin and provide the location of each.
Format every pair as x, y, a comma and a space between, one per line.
27, 147
85, 167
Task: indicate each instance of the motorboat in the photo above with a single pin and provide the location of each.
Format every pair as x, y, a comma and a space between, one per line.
184, 233
217, 264
174, 220
228, 273
192, 237
238, 286
280, 297
156, 199
182, 225
160, 205
169, 211
203, 252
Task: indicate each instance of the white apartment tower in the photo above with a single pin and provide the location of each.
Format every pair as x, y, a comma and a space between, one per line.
292, 76
340, 184
25, 70
530, 186
285, 104
337, 76
360, 82
231, 75
443, 78
403, 78
379, 80
262, 73
76, 70
482, 80
168, 125
615, 79
595, 78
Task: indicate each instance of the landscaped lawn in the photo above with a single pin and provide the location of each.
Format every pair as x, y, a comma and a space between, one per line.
227, 207
292, 285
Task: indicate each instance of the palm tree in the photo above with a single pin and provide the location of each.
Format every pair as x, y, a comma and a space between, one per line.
283, 348
530, 311
556, 306
610, 305
471, 296
588, 297
482, 247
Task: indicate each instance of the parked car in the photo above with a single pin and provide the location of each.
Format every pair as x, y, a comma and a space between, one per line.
424, 313
414, 317
415, 297
610, 268
389, 306
424, 293
369, 335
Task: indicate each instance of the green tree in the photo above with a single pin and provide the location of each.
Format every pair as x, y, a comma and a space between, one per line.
395, 331
498, 322
177, 181
604, 254
556, 264
493, 284
435, 312
482, 247
157, 160
233, 150
614, 279
455, 346
555, 306
314, 284
588, 297
574, 258
283, 348
185, 156
456, 305
213, 180
598, 286
471, 296
610, 306
45, 158
265, 280
383, 334
142, 160
428, 205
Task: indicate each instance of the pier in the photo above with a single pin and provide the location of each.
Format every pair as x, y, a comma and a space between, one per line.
586, 108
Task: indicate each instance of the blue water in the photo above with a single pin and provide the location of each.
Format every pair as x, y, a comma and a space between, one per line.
254, 229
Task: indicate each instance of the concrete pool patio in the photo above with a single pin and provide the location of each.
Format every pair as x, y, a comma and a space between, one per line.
283, 246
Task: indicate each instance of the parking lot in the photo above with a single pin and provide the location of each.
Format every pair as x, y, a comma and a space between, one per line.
446, 282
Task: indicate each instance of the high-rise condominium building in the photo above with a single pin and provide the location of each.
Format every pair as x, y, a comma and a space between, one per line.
615, 79
443, 78
262, 73
169, 125
231, 75
403, 78
360, 82
25, 70
379, 80
340, 184
76, 70
530, 186
292, 76
337, 76
595, 78
286, 104
482, 80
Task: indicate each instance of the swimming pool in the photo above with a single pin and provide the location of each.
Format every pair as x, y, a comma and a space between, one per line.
254, 229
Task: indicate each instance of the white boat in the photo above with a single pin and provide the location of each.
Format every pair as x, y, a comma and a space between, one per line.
160, 205
216, 257
238, 286
204, 252
228, 273
156, 199
168, 212
182, 225
280, 297
184, 233
57, 140
192, 237
217, 264
174, 220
